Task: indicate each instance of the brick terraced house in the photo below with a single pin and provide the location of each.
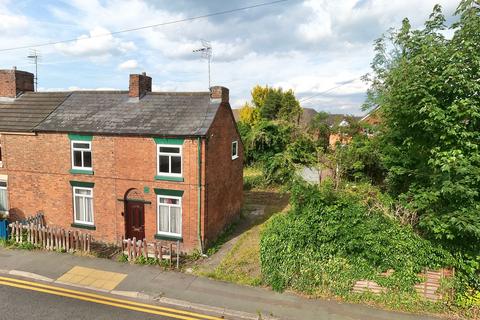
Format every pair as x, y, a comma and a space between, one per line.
153, 165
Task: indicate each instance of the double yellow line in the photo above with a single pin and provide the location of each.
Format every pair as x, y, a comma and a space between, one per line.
100, 299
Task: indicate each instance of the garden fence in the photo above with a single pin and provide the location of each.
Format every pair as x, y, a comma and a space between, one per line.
50, 238
134, 248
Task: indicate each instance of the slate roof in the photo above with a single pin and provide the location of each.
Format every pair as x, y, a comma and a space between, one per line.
27, 111
113, 112
236, 114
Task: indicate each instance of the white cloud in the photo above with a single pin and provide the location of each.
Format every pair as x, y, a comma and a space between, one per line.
319, 23
309, 46
129, 64
13, 24
99, 42
10, 22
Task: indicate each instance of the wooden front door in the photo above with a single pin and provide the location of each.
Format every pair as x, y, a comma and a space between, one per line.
135, 220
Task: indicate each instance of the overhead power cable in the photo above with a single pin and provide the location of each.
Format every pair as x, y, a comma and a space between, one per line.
328, 90
145, 27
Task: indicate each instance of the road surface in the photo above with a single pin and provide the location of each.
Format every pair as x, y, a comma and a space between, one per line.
22, 300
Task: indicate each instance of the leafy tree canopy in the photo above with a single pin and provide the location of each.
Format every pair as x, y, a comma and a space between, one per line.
276, 104
428, 89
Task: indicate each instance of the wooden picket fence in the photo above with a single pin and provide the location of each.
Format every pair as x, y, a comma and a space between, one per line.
50, 238
37, 219
134, 248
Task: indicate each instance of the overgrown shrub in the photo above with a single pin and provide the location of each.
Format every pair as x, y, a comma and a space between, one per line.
330, 239
278, 169
431, 121
264, 139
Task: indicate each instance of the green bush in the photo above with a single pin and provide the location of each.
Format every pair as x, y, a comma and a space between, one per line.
330, 239
278, 169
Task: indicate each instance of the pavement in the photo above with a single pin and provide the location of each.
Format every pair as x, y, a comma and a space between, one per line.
151, 283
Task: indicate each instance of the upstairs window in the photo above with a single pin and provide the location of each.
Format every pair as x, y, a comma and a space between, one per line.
169, 160
3, 197
82, 155
234, 150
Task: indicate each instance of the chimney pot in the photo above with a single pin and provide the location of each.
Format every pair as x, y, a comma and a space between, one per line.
220, 94
139, 85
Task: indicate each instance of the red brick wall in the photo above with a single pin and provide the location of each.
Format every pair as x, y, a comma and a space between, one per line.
139, 84
39, 180
3, 161
13, 82
224, 175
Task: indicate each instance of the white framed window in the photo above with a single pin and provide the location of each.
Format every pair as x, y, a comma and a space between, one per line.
83, 205
169, 212
1, 162
3, 197
169, 160
234, 150
81, 155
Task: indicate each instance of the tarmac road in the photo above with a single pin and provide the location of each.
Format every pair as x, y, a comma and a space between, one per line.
22, 301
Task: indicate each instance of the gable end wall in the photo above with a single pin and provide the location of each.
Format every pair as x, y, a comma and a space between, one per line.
224, 178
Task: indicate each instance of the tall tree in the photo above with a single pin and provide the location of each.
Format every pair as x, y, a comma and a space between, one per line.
276, 104
320, 129
427, 87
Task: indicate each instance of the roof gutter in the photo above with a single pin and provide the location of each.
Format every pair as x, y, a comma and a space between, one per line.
121, 134
19, 133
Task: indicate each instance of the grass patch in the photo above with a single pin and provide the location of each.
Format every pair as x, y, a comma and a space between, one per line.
224, 237
252, 178
242, 263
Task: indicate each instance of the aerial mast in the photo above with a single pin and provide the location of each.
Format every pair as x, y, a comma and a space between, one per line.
33, 57
207, 52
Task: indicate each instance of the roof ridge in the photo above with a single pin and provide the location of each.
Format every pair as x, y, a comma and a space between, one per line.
178, 93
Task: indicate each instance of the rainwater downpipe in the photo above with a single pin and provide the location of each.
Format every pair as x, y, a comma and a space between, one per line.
200, 194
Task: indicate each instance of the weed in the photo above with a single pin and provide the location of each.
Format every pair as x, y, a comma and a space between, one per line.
122, 258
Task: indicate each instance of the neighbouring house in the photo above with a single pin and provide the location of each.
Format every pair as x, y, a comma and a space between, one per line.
121, 164
373, 117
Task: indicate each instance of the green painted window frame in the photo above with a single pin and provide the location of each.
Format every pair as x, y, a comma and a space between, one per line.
82, 184
167, 237
80, 137
78, 171
168, 192
166, 178
172, 141
83, 226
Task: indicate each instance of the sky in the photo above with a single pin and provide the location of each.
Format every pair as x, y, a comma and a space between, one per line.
310, 46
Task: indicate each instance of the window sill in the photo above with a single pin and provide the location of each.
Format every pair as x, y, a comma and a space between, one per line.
168, 237
166, 178
235, 157
83, 226
78, 171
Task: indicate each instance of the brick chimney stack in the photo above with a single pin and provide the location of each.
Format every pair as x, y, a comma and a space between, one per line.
139, 85
220, 94
14, 82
